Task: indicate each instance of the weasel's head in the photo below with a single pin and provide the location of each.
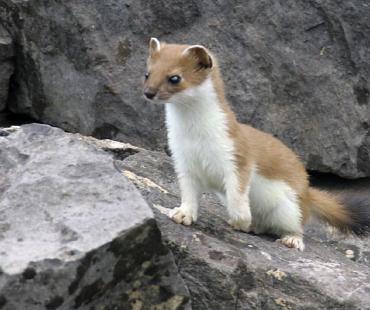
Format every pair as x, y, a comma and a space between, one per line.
173, 68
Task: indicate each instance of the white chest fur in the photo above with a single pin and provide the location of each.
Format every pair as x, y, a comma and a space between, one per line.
198, 136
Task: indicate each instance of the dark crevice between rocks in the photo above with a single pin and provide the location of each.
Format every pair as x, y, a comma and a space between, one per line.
81, 270
333, 182
29, 273
353, 189
8, 119
121, 154
105, 131
54, 303
362, 92
3, 301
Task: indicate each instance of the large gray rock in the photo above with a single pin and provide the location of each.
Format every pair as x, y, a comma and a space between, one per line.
79, 67
6, 65
74, 233
225, 269
298, 69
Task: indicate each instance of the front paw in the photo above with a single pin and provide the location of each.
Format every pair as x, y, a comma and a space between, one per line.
182, 215
241, 224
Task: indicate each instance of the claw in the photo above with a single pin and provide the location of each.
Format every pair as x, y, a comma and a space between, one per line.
292, 241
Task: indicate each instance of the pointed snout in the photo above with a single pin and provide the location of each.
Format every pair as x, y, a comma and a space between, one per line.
149, 93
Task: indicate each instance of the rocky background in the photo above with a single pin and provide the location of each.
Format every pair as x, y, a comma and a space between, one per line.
298, 69
74, 233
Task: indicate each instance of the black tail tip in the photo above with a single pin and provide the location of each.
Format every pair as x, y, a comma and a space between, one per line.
358, 208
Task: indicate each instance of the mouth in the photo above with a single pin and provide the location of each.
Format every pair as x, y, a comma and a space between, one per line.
154, 100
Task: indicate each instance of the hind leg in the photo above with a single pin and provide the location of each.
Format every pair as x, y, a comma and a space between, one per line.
287, 224
276, 210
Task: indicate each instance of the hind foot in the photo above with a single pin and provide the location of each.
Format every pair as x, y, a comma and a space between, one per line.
292, 241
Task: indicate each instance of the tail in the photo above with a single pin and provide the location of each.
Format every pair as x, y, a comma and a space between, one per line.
349, 213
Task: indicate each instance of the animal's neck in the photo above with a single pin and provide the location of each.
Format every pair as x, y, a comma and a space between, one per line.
200, 106
197, 107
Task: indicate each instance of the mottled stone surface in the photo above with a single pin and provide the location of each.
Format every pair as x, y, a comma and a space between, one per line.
74, 232
225, 269
6, 65
298, 69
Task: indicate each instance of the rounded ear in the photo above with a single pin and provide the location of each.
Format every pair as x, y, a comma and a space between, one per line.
200, 55
154, 45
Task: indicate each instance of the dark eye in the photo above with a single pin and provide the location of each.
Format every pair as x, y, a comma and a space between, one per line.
174, 79
146, 75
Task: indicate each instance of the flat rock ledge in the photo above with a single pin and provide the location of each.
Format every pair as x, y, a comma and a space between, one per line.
225, 269
74, 232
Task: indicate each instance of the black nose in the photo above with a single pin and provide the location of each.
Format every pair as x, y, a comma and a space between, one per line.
149, 94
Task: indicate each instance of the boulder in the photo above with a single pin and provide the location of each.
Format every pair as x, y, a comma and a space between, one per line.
78, 67
297, 69
74, 232
225, 269
6, 65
